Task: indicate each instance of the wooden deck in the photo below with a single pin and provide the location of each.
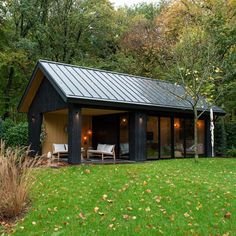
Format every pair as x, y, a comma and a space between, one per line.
92, 161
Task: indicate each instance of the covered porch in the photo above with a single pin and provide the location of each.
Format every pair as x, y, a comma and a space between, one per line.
93, 126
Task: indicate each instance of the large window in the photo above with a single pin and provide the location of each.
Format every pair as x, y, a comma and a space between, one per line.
165, 129
159, 137
152, 138
179, 137
189, 133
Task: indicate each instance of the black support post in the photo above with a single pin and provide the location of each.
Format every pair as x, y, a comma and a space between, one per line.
208, 151
74, 134
172, 132
138, 130
34, 131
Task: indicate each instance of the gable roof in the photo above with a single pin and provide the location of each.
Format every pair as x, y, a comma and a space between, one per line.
87, 84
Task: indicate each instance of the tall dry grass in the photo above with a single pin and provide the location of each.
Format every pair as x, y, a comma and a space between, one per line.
16, 179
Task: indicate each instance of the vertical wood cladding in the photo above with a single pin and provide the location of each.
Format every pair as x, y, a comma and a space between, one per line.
34, 129
138, 133
74, 134
46, 99
55, 125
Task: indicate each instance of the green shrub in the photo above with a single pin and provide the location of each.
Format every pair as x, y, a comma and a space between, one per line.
225, 138
4, 126
17, 135
231, 152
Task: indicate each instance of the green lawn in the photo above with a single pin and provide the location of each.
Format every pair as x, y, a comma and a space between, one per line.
171, 197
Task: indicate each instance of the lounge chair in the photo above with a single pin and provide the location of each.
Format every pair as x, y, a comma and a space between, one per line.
200, 149
62, 150
59, 150
103, 151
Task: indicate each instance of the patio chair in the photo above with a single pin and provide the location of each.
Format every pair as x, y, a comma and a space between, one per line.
103, 151
59, 150
62, 150
200, 149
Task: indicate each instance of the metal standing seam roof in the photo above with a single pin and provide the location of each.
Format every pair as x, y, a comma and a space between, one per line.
94, 84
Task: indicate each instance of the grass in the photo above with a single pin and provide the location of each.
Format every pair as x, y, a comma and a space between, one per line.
171, 197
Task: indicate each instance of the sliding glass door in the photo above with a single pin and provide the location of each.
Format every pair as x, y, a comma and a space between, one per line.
152, 138
165, 128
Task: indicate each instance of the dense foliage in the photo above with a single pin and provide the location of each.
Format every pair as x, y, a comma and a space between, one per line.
225, 138
147, 39
14, 134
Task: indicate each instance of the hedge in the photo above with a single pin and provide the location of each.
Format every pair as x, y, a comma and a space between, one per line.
14, 134
225, 138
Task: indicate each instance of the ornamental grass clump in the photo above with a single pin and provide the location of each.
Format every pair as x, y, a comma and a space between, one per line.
16, 180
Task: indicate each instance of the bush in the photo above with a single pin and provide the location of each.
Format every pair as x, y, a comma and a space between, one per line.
14, 134
225, 138
17, 135
231, 152
4, 126
16, 179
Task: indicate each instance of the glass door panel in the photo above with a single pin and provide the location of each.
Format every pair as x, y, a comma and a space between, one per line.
178, 137
152, 138
165, 137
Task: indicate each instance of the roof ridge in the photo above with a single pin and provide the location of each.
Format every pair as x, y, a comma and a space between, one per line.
107, 71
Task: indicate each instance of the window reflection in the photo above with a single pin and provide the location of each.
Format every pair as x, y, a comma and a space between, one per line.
152, 138
165, 137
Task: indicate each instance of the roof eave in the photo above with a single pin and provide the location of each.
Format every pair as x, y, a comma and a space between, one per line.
37, 67
125, 105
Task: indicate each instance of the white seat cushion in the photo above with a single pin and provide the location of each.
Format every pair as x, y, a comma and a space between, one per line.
101, 147
108, 148
59, 147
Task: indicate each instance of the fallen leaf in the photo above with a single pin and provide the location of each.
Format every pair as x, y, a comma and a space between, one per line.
158, 199
87, 171
186, 214
82, 216
147, 209
96, 209
227, 215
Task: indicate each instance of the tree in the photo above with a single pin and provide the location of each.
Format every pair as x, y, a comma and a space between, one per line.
194, 67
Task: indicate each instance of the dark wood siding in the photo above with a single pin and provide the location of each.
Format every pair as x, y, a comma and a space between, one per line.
138, 136
46, 99
74, 134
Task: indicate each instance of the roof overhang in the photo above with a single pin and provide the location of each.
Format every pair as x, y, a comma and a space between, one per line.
35, 81
40, 73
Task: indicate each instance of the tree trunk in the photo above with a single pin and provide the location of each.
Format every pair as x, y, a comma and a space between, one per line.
195, 135
7, 90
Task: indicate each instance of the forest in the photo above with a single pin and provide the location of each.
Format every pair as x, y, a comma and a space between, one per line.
166, 40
